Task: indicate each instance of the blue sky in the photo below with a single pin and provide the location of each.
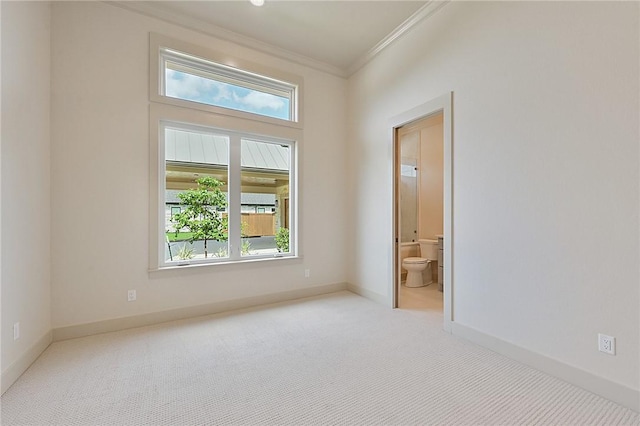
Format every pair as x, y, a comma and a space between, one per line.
199, 89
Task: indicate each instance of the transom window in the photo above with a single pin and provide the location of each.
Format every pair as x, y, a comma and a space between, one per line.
193, 79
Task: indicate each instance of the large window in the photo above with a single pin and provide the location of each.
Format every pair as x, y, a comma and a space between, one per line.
210, 218
226, 183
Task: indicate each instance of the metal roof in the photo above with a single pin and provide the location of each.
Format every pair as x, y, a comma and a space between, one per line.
246, 198
207, 148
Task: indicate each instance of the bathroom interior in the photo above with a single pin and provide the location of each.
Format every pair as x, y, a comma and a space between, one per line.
420, 183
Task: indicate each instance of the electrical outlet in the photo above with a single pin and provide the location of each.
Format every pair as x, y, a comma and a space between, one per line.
131, 296
607, 344
16, 331
307, 273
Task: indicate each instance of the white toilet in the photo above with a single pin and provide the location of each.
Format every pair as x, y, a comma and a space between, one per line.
416, 265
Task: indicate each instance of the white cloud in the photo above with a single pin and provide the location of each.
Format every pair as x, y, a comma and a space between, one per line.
187, 86
260, 100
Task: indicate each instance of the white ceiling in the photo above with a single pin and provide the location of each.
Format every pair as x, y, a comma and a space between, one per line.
336, 33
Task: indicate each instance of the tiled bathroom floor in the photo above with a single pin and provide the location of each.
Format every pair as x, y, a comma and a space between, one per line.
422, 298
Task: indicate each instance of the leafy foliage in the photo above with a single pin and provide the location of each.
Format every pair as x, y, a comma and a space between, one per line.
246, 247
200, 215
246, 244
185, 252
222, 252
282, 240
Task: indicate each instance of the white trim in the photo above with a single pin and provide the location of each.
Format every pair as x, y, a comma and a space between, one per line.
294, 201
224, 34
616, 392
215, 31
235, 189
441, 104
371, 295
19, 366
426, 11
106, 326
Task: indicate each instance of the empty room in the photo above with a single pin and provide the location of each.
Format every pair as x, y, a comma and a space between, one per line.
320, 212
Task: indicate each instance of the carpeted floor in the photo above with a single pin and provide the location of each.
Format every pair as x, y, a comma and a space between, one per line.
334, 359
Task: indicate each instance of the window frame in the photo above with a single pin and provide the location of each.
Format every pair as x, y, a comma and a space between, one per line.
158, 47
159, 114
163, 109
234, 191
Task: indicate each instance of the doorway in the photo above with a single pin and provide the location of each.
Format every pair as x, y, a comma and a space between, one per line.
420, 152
414, 177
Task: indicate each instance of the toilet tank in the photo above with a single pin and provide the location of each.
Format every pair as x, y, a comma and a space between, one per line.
429, 249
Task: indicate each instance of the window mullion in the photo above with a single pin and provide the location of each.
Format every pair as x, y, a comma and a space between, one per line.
293, 201
234, 198
162, 189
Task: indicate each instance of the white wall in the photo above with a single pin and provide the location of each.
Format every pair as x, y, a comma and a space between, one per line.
546, 183
26, 292
100, 165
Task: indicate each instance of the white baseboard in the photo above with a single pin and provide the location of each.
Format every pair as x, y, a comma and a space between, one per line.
376, 297
613, 391
88, 329
15, 370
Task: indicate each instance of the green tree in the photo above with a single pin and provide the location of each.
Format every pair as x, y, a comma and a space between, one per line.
200, 214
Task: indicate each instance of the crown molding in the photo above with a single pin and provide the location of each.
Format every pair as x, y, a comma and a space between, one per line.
224, 34
201, 26
424, 12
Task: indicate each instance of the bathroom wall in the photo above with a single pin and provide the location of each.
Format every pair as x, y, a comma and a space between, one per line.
431, 188
408, 186
422, 143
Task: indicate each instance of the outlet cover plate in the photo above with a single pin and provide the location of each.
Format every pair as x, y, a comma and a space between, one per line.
606, 344
131, 295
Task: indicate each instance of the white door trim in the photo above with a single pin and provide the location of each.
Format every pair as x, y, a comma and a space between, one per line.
440, 104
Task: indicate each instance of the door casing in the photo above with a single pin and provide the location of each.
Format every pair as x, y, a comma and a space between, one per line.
442, 104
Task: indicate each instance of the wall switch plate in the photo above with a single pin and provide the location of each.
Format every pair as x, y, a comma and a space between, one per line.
607, 344
307, 273
131, 295
16, 331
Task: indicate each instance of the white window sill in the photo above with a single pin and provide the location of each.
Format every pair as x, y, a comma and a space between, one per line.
189, 266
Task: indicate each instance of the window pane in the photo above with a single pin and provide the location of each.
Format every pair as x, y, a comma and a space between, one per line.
192, 84
265, 195
196, 176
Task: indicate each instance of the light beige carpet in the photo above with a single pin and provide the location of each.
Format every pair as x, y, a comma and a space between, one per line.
335, 359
